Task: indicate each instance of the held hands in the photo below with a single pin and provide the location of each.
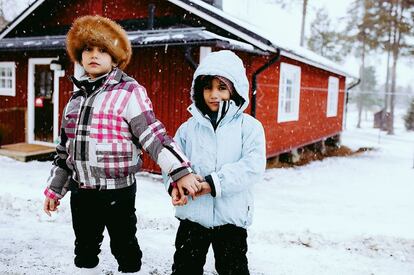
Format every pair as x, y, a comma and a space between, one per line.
50, 205
195, 189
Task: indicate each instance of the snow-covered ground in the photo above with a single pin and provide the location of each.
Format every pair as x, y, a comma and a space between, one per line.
337, 216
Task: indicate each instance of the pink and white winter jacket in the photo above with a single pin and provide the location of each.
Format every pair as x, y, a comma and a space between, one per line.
102, 135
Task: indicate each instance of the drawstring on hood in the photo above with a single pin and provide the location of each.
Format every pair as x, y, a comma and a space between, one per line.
228, 68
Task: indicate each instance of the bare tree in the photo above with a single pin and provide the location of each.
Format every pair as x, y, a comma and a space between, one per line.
361, 20
397, 17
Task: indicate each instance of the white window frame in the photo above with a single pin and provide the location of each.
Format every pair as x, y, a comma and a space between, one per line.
333, 95
12, 90
289, 73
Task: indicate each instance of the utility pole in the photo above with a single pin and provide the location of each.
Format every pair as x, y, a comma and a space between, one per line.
302, 31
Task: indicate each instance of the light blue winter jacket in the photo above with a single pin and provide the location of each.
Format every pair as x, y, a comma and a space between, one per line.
234, 155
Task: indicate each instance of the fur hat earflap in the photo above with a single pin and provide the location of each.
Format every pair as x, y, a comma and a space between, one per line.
100, 32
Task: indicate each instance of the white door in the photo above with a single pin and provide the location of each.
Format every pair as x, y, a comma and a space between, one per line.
43, 101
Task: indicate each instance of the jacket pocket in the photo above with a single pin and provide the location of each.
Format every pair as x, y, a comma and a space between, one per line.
114, 160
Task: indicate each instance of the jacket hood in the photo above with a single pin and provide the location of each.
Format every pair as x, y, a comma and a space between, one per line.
228, 64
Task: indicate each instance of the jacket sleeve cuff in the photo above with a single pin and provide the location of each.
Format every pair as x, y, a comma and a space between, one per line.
210, 182
179, 173
51, 194
216, 183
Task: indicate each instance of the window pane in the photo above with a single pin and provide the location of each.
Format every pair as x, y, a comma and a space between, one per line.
9, 72
288, 91
3, 83
9, 83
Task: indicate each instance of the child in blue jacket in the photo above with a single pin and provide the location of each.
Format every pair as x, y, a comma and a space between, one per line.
226, 148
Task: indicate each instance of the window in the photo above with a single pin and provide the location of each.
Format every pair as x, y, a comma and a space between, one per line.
332, 102
289, 93
7, 78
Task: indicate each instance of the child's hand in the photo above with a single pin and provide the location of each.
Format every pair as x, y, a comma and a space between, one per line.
205, 189
188, 185
50, 205
176, 199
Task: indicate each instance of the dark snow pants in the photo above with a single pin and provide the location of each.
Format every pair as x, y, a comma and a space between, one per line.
92, 211
193, 240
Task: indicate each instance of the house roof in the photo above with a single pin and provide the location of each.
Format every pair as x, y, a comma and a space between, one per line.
245, 31
147, 38
258, 37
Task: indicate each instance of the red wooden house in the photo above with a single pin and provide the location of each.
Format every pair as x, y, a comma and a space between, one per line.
298, 96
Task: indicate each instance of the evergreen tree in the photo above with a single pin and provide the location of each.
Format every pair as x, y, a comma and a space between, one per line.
409, 117
367, 94
324, 40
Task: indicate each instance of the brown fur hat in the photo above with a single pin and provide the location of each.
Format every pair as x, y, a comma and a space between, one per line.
100, 32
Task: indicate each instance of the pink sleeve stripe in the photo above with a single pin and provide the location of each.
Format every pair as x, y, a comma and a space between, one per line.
51, 194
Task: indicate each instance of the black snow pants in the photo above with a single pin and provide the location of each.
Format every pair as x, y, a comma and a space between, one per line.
193, 240
92, 211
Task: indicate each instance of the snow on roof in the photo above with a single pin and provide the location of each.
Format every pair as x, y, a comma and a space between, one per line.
138, 39
242, 45
259, 37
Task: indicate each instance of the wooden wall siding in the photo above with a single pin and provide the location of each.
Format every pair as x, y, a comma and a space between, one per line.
167, 77
62, 15
313, 124
13, 108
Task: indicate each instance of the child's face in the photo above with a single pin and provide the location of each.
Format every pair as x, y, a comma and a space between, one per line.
215, 93
96, 61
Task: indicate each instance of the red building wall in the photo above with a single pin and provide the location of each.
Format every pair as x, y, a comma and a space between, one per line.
62, 15
313, 125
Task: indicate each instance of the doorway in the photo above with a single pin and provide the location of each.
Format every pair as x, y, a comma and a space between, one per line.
43, 102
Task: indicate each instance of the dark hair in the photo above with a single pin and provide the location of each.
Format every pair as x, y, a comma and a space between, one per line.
204, 81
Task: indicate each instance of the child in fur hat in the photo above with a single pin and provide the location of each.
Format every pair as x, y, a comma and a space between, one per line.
226, 148
104, 126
